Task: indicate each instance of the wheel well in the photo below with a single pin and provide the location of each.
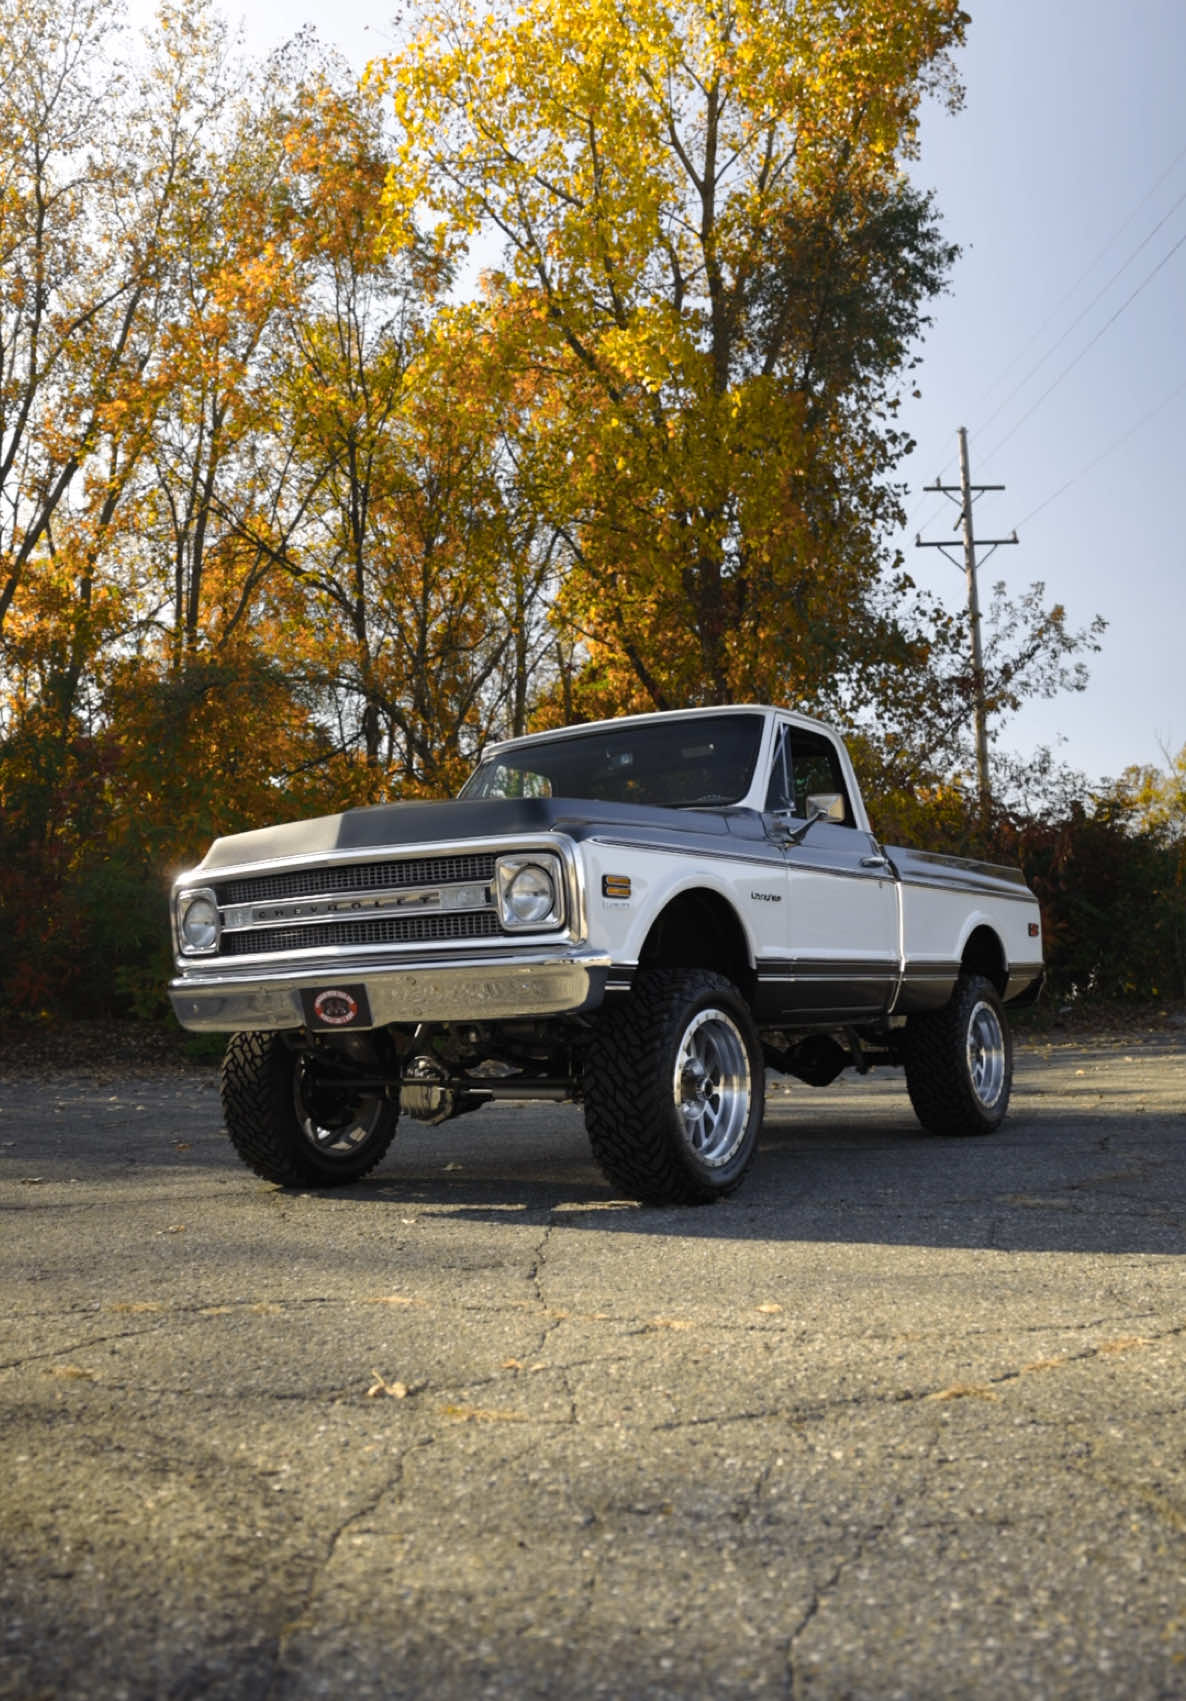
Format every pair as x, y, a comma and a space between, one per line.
985, 955
700, 930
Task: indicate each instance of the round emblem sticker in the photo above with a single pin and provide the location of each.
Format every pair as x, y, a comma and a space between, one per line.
335, 1007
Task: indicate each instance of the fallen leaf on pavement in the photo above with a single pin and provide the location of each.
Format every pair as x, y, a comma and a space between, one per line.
964, 1391
482, 1414
394, 1390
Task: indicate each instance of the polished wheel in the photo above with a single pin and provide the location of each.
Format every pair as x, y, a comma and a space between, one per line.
712, 1086
986, 1054
959, 1061
335, 1123
294, 1123
674, 1087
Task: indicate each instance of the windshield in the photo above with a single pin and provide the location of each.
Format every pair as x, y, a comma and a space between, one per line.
674, 764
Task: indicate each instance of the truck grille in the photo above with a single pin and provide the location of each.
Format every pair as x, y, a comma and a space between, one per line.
358, 877
387, 930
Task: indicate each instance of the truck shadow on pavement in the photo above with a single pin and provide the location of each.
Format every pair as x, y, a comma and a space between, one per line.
1036, 1186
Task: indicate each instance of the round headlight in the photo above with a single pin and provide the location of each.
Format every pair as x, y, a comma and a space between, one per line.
530, 894
199, 922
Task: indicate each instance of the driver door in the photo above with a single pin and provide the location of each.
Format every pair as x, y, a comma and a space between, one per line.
842, 930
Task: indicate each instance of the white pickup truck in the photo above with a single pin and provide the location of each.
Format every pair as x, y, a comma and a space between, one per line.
642, 914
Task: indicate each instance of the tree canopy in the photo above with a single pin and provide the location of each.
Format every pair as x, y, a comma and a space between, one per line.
710, 256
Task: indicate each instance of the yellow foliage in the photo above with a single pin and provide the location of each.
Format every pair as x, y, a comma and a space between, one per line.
642, 165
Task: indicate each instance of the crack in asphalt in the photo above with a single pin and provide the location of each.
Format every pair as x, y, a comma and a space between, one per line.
296, 1621
986, 1387
557, 1319
873, 1400
87, 1345
868, 1539
632, 1325
793, 1690
1059, 1361
1122, 1487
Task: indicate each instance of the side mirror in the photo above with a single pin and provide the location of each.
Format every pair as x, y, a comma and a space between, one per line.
827, 806
821, 806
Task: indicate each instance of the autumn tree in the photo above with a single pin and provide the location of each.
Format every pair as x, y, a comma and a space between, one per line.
217, 721
232, 274
138, 210
397, 522
110, 292
79, 288
702, 214
1159, 794
94, 161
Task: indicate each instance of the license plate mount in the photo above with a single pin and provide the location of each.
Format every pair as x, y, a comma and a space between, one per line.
333, 1009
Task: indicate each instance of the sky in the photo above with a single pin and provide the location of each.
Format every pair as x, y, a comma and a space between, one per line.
1062, 348
1060, 345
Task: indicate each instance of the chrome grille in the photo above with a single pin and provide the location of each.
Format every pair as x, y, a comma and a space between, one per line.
390, 930
358, 877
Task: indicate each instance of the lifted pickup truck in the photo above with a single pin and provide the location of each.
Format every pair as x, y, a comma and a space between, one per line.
643, 914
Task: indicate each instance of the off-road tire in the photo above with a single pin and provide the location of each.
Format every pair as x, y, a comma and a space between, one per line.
959, 1061
643, 1124
266, 1109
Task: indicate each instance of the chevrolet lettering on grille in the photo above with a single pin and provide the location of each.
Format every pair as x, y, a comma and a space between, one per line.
239, 916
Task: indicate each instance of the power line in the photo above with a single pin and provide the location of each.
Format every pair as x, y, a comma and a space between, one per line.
1079, 317
1124, 436
1087, 347
1065, 297
1110, 321
1084, 274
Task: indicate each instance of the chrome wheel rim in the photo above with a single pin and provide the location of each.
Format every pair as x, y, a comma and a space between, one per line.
711, 1087
986, 1055
338, 1135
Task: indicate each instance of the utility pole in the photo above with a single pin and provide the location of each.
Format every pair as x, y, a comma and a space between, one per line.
966, 492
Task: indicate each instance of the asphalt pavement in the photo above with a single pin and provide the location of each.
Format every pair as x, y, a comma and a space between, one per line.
903, 1417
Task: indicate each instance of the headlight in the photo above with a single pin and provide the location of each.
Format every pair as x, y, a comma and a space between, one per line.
530, 892
197, 921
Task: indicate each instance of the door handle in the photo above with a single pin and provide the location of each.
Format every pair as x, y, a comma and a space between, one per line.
875, 862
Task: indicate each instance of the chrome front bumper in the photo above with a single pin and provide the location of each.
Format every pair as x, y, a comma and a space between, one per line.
475, 989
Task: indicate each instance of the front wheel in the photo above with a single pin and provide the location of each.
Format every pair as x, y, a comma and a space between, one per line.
959, 1061
674, 1088
293, 1121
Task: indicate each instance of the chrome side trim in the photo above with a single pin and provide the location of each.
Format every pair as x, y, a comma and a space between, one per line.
467, 989
938, 865
681, 847
827, 968
967, 888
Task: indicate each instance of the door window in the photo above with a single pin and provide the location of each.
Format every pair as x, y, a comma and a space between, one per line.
806, 764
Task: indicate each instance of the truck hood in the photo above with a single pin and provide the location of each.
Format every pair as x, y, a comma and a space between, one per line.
390, 826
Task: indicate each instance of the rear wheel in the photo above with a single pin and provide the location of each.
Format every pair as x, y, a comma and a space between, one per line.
293, 1121
959, 1061
674, 1088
